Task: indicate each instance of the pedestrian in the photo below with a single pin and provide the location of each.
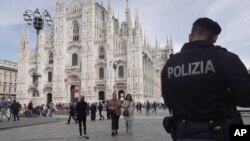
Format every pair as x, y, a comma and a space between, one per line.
154, 105
4, 106
139, 107
81, 108
129, 105
107, 110
15, 108
202, 85
100, 108
148, 106
93, 112
72, 113
115, 112
30, 108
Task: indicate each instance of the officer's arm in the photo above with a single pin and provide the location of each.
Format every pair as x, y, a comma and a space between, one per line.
238, 77
164, 85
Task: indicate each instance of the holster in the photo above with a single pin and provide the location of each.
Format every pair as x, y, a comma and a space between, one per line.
169, 124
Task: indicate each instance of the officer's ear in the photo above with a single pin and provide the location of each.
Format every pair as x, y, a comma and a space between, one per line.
214, 39
190, 37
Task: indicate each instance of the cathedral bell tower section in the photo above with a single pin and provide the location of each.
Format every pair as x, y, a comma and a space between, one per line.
134, 57
88, 50
23, 78
109, 52
60, 43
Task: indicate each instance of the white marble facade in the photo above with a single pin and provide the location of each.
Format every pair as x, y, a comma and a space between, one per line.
78, 53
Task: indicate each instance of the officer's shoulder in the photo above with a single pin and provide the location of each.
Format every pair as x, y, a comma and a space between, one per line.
224, 53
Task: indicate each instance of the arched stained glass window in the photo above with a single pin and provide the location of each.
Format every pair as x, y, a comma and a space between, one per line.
50, 76
76, 31
101, 73
121, 71
74, 59
51, 58
101, 53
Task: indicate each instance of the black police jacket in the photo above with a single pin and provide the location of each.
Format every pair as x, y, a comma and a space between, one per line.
81, 108
196, 81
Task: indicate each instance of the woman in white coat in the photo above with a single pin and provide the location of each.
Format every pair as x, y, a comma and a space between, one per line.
129, 105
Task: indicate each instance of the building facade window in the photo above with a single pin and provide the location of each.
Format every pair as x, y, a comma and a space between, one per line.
74, 59
51, 58
49, 76
121, 72
101, 53
101, 73
75, 31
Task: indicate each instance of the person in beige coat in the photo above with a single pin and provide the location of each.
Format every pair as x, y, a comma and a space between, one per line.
115, 111
129, 104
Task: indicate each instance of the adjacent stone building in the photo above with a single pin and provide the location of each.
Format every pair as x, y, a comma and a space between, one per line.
8, 79
76, 57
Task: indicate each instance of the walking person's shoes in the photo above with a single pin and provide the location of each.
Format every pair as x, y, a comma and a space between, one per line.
8, 119
116, 132
67, 123
113, 133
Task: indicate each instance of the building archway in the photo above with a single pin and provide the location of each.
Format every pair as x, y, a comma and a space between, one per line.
121, 95
49, 98
72, 94
101, 95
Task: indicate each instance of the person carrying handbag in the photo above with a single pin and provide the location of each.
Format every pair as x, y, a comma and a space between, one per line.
128, 113
115, 110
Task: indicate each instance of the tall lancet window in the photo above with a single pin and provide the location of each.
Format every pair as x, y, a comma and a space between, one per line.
101, 73
51, 58
121, 72
74, 59
49, 76
75, 31
101, 53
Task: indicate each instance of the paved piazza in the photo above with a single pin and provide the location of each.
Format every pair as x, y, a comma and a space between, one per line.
146, 128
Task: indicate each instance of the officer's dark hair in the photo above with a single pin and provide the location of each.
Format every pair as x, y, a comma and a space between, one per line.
206, 27
202, 31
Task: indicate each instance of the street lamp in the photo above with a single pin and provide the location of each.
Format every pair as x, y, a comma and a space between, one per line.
38, 22
115, 63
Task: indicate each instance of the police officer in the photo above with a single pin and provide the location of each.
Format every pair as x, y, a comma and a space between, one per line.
81, 109
203, 84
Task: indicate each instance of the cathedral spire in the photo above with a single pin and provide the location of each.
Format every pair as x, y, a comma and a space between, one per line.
110, 9
171, 42
167, 42
25, 39
128, 19
145, 40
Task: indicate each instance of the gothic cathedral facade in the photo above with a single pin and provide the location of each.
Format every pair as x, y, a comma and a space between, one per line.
77, 56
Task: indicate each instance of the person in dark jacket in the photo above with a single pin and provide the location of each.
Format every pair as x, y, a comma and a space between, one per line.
93, 111
30, 107
203, 84
82, 108
15, 107
100, 108
107, 110
71, 113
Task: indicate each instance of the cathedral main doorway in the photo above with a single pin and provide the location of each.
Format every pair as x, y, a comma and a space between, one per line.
121, 95
101, 95
72, 94
49, 98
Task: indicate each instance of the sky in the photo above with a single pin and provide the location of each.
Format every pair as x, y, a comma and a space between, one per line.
159, 18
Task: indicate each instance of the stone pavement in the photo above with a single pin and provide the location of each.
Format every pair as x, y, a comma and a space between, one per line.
29, 121
146, 128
